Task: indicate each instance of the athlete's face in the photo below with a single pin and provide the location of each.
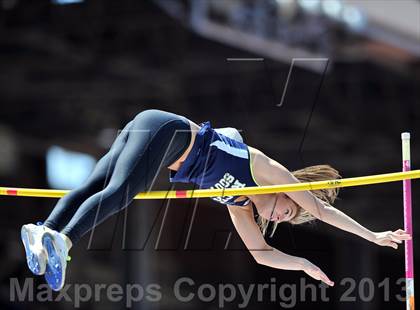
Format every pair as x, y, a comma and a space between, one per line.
282, 208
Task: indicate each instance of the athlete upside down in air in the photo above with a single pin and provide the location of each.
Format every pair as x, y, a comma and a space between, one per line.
207, 157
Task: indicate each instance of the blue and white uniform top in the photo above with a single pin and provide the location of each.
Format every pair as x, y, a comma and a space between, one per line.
218, 159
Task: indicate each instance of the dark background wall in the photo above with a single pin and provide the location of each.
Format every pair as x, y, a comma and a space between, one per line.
67, 73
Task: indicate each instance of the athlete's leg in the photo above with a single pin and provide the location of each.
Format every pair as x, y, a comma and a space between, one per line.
156, 139
67, 206
37, 254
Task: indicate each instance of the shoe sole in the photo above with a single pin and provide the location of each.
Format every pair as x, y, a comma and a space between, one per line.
31, 259
54, 269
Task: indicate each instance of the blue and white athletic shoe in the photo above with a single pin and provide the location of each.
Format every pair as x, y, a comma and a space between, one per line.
57, 247
36, 256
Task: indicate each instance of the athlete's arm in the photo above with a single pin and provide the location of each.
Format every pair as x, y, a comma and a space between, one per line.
264, 254
269, 172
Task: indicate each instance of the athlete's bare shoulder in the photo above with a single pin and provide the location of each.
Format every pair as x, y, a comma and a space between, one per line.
253, 151
256, 156
262, 165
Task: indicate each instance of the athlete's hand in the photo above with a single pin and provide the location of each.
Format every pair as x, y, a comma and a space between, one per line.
390, 238
315, 272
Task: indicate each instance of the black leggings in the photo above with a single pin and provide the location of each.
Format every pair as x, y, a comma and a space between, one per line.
153, 139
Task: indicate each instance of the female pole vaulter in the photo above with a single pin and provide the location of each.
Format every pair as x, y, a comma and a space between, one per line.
208, 157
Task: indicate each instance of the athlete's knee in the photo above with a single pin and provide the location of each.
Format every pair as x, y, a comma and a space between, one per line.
117, 186
115, 199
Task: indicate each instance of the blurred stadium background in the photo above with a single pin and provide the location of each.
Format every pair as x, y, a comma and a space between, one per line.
73, 72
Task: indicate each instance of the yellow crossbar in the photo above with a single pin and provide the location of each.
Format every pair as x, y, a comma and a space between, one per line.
256, 190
